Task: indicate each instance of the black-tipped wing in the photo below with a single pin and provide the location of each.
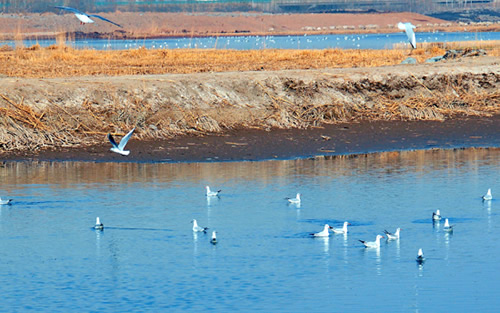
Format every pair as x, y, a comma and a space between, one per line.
73, 10
105, 19
112, 140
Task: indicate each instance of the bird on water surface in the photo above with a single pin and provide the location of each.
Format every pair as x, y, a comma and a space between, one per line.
98, 225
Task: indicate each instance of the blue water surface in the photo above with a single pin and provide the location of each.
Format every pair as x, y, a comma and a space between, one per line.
346, 41
147, 259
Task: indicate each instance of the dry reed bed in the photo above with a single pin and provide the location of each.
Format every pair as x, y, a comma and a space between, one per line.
61, 61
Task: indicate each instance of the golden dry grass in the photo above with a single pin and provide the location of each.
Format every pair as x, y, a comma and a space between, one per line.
62, 61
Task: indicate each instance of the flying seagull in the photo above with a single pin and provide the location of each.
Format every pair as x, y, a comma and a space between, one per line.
408, 28
118, 148
84, 17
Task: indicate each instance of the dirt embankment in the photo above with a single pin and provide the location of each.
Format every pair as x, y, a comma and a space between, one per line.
65, 112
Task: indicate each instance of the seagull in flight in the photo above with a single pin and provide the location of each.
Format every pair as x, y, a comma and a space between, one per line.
342, 230
324, 232
84, 17
408, 28
8, 201
98, 225
197, 228
488, 195
212, 193
372, 244
391, 236
118, 148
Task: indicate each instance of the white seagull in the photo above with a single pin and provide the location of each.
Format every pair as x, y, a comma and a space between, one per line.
295, 200
342, 230
98, 225
84, 17
436, 216
324, 232
214, 238
408, 28
447, 226
5, 201
420, 256
197, 228
488, 195
118, 148
391, 236
212, 193
372, 244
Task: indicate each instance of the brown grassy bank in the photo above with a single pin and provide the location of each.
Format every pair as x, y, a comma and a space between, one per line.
62, 61
70, 111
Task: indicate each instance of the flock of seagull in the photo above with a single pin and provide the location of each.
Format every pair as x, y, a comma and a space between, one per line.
86, 19
436, 217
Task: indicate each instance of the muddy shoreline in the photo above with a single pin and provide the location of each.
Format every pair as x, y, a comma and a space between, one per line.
255, 145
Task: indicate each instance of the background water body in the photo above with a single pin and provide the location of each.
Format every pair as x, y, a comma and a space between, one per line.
148, 259
352, 41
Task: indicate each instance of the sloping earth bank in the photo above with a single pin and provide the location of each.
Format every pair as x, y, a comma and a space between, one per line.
41, 114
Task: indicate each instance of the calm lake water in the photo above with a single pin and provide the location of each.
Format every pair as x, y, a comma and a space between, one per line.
148, 259
347, 41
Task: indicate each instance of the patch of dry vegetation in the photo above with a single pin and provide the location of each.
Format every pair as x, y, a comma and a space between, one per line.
62, 61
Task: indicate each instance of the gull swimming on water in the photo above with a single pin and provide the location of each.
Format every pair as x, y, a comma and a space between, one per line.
488, 195
436, 216
214, 238
84, 17
98, 225
372, 244
447, 226
8, 201
197, 228
118, 148
342, 230
212, 193
391, 236
408, 28
324, 232
295, 200
420, 256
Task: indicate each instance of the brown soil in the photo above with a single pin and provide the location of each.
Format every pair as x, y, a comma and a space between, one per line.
252, 145
146, 25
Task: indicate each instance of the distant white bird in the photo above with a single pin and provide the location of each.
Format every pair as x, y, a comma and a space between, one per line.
408, 28
84, 17
8, 201
324, 232
214, 238
420, 256
447, 226
197, 228
488, 195
98, 225
372, 244
436, 216
118, 148
391, 236
295, 200
342, 230
212, 193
